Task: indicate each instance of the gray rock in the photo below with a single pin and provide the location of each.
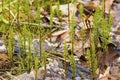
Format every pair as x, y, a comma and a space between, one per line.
2, 46
78, 78
81, 72
36, 46
45, 45
28, 78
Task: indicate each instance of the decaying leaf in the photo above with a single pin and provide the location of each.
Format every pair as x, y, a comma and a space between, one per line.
61, 35
107, 75
104, 60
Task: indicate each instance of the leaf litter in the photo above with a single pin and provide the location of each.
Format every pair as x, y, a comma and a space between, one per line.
55, 68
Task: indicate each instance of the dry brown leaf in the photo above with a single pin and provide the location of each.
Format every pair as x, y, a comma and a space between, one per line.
3, 57
41, 73
108, 4
43, 12
64, 37
108, 56
118, 60
59, 33
118, 38
64, 8
105, 75
115, 72
87, 31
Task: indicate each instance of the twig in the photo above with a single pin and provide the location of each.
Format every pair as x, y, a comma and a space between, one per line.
1, 78
58, 55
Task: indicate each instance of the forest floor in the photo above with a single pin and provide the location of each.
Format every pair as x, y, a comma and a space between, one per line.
52, 54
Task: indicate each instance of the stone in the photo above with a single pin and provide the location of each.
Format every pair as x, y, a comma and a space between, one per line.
2, 47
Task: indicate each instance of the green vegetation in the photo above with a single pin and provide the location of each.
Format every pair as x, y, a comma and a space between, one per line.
16, 17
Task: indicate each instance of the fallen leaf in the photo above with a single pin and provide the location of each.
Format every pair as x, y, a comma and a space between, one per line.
117, 38
118, 60
104, 60
108, 4
59, 33
106, 75
115, 71
64, 8
43, 12
3, 57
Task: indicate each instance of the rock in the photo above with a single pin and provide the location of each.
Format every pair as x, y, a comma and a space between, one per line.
17, 50
78, 78
28, 76
2, 47
81, 72
54, 71
36, 46
45, 45
54, 66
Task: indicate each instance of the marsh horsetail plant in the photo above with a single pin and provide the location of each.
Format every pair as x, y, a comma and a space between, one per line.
51, 18
36, 66
24, 18
65, 57
10, 43
73, 66
72, 32
44, 62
